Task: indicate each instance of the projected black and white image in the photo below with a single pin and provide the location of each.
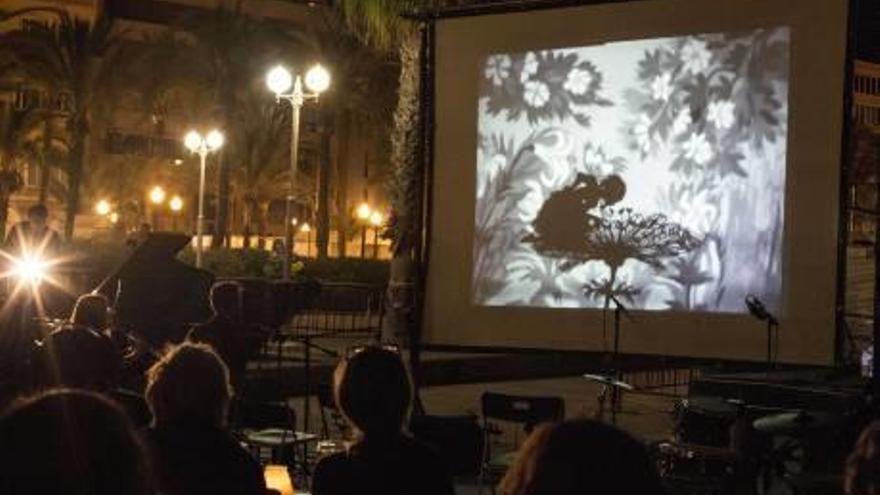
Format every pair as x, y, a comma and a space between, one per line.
649, 170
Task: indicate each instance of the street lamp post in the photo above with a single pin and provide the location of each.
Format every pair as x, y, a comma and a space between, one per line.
281, 82
202, 146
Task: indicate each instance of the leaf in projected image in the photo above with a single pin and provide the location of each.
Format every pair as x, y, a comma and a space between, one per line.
602, 289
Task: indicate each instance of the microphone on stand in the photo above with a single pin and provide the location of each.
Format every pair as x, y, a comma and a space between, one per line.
622, 308
758, 310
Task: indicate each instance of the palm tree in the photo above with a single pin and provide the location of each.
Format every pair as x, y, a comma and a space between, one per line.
68, 54
258, 158
360, 99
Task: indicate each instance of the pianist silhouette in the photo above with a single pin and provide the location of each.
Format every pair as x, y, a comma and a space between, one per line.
33, 236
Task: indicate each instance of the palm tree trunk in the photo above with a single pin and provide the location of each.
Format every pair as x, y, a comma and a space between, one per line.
4, 212
322, 215
74, 179
343, 135
401, 324
45, 169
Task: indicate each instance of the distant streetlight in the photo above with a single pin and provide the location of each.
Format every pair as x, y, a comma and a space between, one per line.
308, 230
157, 195
281, 82
176, 204
114, 217
200, 145
103, 208
376, 220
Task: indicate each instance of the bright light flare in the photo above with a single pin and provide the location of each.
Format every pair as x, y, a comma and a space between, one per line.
305, 228
30, 269
376, 219
279, 80
318, 79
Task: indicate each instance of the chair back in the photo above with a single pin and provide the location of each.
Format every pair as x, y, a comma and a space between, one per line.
524, 410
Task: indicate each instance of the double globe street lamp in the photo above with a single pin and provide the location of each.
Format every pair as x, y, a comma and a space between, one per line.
202, 145
287, 87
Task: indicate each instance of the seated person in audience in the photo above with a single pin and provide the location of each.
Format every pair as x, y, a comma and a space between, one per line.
226, 331
862, 474
188, 393
580, 457
81, 354
70, 442
373, 391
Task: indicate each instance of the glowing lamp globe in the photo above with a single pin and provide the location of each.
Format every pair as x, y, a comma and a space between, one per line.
279, 80
306, 228
318, 79
102, 208
376, 218
363, 211
176, 203
214, 140
193, 141
157, 195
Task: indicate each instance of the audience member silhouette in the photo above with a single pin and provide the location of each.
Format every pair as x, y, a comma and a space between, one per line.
80, 353
188, 393
862, 473
373, 391
226, 331
579, 457
69, 442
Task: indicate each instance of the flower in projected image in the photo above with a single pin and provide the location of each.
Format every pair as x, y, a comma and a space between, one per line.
578, 81
661, 87
498, 68
698, 149
696, 56
642, 133
721, 114
536, 94
682, 121
529, 68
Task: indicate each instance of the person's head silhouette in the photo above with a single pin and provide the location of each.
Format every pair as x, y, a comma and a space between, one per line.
581, 456
373, 390
70, 442
92, 311
189, 384
227, 300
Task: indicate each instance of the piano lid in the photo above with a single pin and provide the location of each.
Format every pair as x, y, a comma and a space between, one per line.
156, 248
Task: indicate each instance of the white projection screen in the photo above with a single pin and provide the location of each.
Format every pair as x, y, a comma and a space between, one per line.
677, 155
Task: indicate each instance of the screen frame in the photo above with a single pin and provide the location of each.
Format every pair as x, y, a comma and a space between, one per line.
429, 126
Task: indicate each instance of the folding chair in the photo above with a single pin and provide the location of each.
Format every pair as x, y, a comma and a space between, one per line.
521, 411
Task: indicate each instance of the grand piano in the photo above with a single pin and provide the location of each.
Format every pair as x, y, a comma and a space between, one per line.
155, 296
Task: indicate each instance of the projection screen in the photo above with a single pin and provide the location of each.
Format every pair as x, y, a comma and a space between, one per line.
673, 155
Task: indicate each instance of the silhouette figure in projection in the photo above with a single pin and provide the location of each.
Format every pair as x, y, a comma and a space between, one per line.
564, 224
